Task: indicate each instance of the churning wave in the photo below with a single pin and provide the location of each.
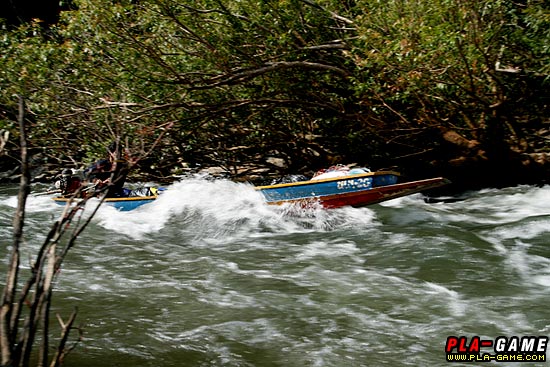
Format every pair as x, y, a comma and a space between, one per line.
221, 207
210, 274
513, 213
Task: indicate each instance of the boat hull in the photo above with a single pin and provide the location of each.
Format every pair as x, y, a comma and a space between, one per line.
380, 194
355, 190
122, 204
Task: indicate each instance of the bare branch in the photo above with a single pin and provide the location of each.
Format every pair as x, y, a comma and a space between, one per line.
8, 297
333, 14
270, 67
65, 330
4, 136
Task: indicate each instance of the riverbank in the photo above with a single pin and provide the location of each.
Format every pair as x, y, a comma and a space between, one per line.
467, 173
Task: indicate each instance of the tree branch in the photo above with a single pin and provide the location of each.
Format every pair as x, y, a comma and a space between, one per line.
270, 67
8, 297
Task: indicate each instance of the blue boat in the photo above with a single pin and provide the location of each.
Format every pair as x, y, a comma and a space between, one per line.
347, 189
122, 204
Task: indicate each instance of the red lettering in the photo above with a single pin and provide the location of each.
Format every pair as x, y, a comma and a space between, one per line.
474, 345
486, 343
462, 344
452, 342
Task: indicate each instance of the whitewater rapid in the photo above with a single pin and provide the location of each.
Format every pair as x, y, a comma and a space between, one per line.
209, 275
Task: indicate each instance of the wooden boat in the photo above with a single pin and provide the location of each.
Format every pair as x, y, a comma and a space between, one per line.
122, 204
355, 190
348, 189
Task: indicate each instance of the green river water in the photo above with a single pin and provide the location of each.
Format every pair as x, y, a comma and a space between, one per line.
209, 275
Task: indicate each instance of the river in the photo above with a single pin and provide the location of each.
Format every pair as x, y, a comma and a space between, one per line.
209, 275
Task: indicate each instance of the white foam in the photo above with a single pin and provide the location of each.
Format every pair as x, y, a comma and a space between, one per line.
226, 208
35, 203
457, 307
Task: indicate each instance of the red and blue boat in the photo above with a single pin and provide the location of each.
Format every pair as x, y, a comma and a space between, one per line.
333, 188
343, 187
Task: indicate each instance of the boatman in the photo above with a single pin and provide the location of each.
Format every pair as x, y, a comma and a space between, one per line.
110, 173
69, 183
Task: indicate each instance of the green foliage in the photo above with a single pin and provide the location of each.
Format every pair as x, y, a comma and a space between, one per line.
309, 81
449, 64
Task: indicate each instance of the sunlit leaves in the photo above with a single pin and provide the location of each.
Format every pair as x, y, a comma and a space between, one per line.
232, 73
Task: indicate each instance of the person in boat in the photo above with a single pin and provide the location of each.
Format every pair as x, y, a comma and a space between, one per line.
109, 174
98, 174
69, 183
104, 174
103, 171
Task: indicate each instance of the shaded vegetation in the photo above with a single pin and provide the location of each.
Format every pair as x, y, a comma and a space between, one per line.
434, 87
